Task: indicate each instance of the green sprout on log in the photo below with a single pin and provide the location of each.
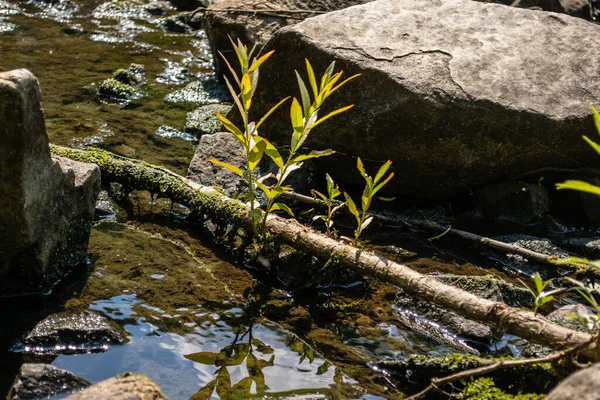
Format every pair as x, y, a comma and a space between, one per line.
372, 186
332, 192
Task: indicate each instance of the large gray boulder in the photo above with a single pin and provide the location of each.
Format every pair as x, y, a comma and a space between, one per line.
256, 28
581, 385
46, 203
456, 93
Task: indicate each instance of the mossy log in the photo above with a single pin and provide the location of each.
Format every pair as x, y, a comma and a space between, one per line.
223, 210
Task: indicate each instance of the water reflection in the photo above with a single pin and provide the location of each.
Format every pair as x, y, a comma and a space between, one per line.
224, 356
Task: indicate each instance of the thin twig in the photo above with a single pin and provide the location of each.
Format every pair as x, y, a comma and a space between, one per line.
291, 14
436, 382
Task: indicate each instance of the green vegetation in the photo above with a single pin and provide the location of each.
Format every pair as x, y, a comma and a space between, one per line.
303, 117
371, 188
332, 192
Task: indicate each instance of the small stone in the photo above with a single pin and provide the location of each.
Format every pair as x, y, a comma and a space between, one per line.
203, 120
73, 333
128, 386
37, 381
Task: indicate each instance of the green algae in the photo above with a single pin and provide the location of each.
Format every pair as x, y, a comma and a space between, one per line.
485, 389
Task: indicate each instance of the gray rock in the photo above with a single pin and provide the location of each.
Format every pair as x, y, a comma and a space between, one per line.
224, 147
203, 121
257, 28
575, 8
573, 316
73, 333
581, 385
519, 202
454, 102
158, 7
46, 204
124, 387
37, 381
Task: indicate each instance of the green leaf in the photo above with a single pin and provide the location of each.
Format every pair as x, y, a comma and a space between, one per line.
382, 170
304, 94
323, 368
296, 116
271, 194
311, 78
382, 184
235, 76
236, 99
272, 152
352, 207
232, 128
241, 390
205, 393
262, 347
246, 88
202, 357
238, 51
313, 154
264, 118
386, 198
297, 346
328, 74
283, 207
343, 83
224, 384
255, 214
256, 153
331, 114
321, 195
579, 186
257, 63
593, 144
361, 167
240, 352
230, 167
310, 354
596, 118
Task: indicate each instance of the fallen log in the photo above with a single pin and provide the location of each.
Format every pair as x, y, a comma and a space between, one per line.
580, 270
220, 209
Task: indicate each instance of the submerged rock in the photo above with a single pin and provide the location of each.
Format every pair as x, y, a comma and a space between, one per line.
582, 385
127, 386
224, 147
455, 103
46, 203
36, 381
202, 92
203, 121
573, 316
123, 86
520, 202
73, 333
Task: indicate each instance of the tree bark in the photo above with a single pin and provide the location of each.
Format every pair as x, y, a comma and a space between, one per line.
223, 210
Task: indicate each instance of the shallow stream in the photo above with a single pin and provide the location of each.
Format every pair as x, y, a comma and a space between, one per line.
170, 288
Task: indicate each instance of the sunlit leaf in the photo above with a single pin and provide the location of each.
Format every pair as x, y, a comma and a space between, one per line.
232, 128
579, 186
296, 116
272, 152
238, 48
283, 207
360, 167
267, 191
382, 184
382, 170
313, 154
230, 167
351, 206
596, 118
257, 63
592, 144
256, 153
386, 198
233, 73
343, 83
246, 88
304, 94
311, 78
205, 393
236, 100
321, 195
297, 346
264, 118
